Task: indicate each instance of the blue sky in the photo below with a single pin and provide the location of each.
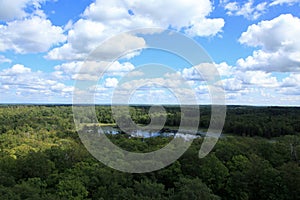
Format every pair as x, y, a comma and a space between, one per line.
44, 44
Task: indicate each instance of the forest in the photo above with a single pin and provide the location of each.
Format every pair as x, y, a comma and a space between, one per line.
42, 157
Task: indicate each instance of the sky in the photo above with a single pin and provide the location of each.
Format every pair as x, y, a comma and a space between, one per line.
46, 50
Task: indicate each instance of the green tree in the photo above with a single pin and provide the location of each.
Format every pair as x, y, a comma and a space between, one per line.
195, 189
71, 190
32, 189
214, 173
148, 190
290, 173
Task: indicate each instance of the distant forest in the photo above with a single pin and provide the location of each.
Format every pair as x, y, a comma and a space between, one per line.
42, 157
240, 120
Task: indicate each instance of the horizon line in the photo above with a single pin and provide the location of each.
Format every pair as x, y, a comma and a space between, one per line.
138, 104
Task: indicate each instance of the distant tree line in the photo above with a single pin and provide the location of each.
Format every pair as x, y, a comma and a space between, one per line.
240, 120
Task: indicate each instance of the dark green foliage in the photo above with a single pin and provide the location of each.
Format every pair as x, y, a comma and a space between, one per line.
41, 157
193, 189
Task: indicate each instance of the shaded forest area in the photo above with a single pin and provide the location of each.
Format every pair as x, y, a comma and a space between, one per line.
42, 157
240, 120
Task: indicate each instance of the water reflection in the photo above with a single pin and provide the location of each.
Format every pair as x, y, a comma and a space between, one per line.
148, 133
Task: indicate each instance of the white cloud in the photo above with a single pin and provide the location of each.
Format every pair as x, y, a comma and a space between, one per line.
288, 92
3, 59
132, 54
241, 80
15, 9
21, 9
206, 27
210, 70
155, 90
270, 62
104, 19
83, 32
34, 85
12, 9
87, 35
247, 10
258, 35
111, 82
65, 52
91, 70
30, 35
191, 74
290, 85
110, 49
179, 13
224, 69
202, 89
259, 78
16, 69
291, 81
232, 84
250, 10
119, 68
67, 70
281, 2
278, 40
106, 11
135, 74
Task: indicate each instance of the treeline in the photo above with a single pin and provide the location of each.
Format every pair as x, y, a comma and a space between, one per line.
262, 121
240, 120
41, 157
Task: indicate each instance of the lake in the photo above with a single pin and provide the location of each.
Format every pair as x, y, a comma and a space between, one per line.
148, 133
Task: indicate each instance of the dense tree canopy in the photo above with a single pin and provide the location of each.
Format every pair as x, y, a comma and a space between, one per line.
42, 157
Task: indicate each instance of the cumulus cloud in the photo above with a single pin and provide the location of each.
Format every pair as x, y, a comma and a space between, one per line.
211, 69
84, 31
270, 61
15, 9
12, 9
106, 11
3, 59
189, 14
191, 74
291, 81
65, 52
224, 69
290, 85
22, 81
232, 84
131, 14
247, 10
110, 49
207, 27
31, 35
258, 35
104, 19
16, 69
259, 78
85, 38
91, 70
154, 88
111, 82
278, 40
250, 10
281, 2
